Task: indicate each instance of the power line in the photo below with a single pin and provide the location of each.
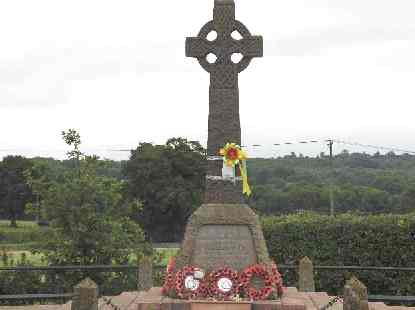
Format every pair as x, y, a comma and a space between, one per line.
245, 146
386, 148
332, 141
287, 143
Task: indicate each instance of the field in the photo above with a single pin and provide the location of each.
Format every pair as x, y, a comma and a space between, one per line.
24, 237
18, 242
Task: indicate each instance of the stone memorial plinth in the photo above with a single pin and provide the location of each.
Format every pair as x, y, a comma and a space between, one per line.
220, 235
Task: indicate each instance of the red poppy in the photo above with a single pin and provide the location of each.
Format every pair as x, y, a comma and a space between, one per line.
232, 154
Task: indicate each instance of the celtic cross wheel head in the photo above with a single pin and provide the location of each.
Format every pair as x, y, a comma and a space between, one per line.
223, 46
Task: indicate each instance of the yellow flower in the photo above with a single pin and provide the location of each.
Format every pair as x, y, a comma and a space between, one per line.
232, 154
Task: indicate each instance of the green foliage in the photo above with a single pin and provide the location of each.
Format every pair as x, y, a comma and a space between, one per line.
364, 183
361, 182
381, 240
37, 282
19, 282
14, 191
26, 232
72, 137
90, 220
169, 180
293, 197
43, 173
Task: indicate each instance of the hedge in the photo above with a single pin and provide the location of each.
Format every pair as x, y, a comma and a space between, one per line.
27, 232
377, 240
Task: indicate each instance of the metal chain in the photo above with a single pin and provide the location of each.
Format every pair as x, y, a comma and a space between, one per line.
108, 302
331, 303
136, 297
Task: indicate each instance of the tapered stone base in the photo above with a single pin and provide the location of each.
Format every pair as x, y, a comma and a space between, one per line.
223, 305
219, 235
154, 300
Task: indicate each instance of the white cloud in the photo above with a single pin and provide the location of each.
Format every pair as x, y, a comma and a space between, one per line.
117, 72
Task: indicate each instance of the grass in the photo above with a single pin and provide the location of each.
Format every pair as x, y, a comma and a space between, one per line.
36, 259
20, 224
26, 246
26, 237
13, 256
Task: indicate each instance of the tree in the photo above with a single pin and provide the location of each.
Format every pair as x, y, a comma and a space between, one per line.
361, 182
43, 173
169, 180
407, 203
283, 172
89, 218
392, 183
343, 155
14, 190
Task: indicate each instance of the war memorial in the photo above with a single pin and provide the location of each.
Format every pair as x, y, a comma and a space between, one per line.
223, 263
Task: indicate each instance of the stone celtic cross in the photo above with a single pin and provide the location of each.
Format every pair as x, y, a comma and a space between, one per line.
224, 123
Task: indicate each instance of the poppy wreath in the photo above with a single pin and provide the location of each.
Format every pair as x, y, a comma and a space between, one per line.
277, 279
223, 273
169, 282
203, 289
181, 290
246, 286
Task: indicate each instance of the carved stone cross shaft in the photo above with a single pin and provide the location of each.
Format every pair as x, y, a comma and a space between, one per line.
224, 123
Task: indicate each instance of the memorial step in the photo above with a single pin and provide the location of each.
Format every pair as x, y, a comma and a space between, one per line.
127, 300
33, 307
377, 306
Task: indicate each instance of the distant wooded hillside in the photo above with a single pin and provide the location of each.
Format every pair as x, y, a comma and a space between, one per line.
360, 182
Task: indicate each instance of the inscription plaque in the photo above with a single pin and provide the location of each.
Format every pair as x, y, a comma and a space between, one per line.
224, 245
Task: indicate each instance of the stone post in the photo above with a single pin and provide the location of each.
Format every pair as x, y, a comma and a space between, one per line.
145, 273
86, 296
355, 295
306, 275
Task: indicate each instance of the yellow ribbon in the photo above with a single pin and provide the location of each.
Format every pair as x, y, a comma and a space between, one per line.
245, 188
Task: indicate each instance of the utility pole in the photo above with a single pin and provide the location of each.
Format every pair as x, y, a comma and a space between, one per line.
38, 217
330, 145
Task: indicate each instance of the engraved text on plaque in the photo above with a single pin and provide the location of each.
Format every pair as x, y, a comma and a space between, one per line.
224, 245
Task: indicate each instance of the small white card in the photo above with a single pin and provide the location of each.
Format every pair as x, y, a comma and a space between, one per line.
225, 284
228, 172
191, 284
199, 274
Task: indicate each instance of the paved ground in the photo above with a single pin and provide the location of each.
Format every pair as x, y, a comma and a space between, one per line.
152, 300
317, 300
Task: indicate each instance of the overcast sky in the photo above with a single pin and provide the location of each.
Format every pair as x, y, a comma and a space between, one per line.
116, 71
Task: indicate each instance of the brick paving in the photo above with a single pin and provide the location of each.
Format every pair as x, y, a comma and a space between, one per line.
34, 307
153, 300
